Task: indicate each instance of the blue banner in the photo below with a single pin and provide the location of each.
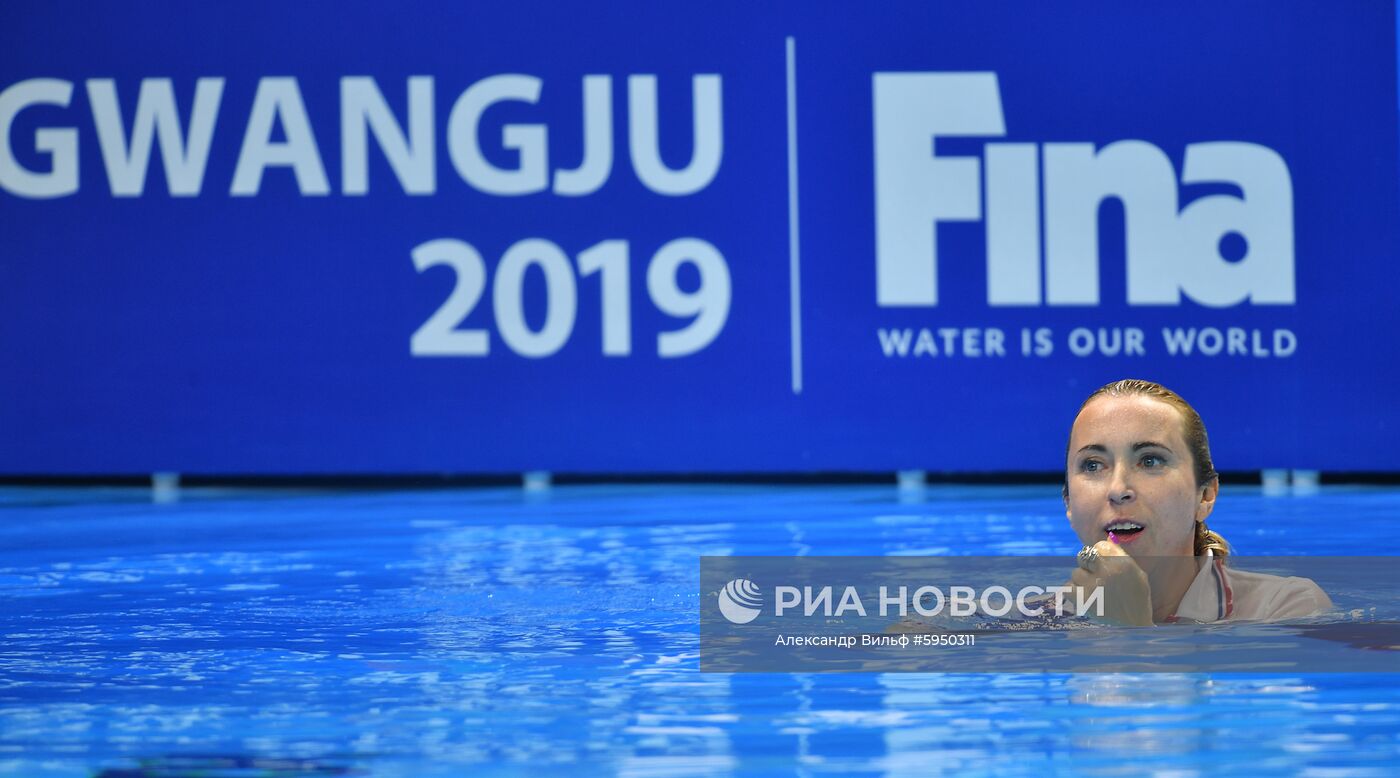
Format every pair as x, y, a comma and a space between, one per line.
344, 238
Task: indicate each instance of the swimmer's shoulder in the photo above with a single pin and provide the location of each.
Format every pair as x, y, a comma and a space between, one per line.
1265, 597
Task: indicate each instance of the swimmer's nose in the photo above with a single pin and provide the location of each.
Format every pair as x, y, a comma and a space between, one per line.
1121, 492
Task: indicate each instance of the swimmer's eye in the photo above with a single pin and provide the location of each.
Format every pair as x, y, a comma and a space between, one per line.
1152, 460
1091, 465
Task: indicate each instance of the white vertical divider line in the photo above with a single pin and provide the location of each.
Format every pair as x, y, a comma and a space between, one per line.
794, 256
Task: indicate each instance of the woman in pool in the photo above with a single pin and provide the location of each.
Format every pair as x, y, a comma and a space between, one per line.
1139, 486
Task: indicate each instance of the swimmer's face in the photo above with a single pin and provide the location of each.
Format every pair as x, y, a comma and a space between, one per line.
1129, 467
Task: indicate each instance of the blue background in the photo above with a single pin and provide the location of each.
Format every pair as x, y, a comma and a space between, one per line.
270, 334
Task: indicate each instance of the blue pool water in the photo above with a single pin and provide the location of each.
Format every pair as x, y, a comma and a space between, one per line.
491, 632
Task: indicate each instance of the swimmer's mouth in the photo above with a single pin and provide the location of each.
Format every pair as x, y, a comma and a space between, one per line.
1123, 531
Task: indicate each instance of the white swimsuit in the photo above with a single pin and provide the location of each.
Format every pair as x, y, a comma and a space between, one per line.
1219, 593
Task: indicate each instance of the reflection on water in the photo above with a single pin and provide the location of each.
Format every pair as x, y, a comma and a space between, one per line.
228, 766
477, 632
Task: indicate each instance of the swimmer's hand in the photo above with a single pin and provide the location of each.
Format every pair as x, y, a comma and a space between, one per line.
1127, 597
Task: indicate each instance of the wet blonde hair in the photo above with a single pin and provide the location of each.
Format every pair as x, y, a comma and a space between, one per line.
1193, 430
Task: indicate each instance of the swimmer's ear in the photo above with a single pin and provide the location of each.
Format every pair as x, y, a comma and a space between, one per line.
1208, 494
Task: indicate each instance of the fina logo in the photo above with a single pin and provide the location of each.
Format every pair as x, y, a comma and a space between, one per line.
1170, 250
740, 601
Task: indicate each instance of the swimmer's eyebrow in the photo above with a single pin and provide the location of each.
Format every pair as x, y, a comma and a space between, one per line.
1136, 447
1151, 444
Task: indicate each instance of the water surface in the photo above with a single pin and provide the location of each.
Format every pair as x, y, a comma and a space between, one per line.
486, 631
